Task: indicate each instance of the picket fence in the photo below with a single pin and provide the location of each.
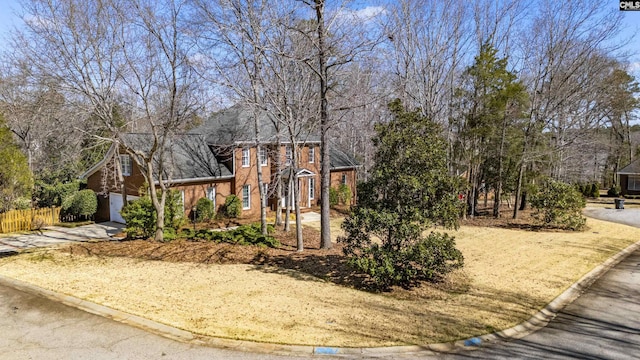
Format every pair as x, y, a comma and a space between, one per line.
23, 220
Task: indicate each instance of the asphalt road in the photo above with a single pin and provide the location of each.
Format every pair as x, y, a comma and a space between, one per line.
32, 327
604, 323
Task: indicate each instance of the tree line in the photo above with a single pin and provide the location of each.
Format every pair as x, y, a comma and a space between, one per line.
519, 90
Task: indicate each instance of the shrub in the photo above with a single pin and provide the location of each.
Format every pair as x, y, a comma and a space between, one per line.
558, 204
140, 216
333, 197
243, 235
232, 206
22, 203
595, 190
614, 191
404, 263
173, 210
85, 203
344, 194
384, 232
204, 210
169, 234
49, 195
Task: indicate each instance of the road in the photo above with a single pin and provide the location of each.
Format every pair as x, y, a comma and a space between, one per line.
604, 323
32, 327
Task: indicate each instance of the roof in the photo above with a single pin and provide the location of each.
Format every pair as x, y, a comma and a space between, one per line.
631, 169
236, 125
188, 156
341, 160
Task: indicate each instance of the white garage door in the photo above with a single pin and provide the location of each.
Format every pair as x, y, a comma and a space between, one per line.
115, 205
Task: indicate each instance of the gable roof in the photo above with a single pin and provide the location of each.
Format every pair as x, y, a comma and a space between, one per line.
631, 169
235, 125
187, 155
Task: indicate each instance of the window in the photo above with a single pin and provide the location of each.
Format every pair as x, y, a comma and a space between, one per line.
312, 188
211, 195
633, 183
288, 155
344, 179
312, 154
245, 157
246, 197
125, 163
263, 156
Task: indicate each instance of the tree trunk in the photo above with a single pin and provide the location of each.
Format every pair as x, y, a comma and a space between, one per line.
325, 176
278, 180
296, 202
498, 195
287, 221
518, 189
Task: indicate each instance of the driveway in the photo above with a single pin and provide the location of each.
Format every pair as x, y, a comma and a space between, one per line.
55, 235
623, 216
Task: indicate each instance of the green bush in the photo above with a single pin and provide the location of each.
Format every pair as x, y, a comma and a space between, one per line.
232, 206
169, 234
595, 190
428, 259
404, 263
614, 191
397, 205
49, 195
22, 203
173, 210
204, 210
333, 197
140, 217
558, 204
344, 194
83, 203
242, 235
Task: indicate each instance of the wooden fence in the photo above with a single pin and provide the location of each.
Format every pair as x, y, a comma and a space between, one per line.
22, 220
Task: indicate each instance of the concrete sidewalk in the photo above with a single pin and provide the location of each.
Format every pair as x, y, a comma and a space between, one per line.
56, 235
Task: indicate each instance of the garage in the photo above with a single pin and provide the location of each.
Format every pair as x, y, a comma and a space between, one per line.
115, 205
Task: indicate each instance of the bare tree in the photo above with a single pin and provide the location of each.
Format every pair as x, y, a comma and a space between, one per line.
559, 51
135, 53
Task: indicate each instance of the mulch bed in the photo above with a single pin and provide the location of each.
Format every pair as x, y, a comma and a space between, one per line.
325, 264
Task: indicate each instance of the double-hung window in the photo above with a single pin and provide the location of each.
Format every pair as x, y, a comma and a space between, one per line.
312, 154
263, 156
246, 197
245, 157
312, 188
344, 179
125, 163
288, 155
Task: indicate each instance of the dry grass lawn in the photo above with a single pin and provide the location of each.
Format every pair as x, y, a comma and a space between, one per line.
508, 276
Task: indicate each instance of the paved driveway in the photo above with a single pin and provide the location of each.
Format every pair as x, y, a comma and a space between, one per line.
624, 216
55, 235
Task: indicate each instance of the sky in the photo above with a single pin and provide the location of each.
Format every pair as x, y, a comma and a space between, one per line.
8, 19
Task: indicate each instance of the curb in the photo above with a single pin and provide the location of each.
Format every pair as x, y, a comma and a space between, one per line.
536, 322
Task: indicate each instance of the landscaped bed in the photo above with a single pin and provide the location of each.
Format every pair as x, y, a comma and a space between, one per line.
277, 295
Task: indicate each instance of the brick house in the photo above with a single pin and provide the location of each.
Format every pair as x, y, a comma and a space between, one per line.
629, 178
217, 159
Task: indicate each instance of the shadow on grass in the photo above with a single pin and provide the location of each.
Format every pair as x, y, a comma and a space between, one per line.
332, 268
